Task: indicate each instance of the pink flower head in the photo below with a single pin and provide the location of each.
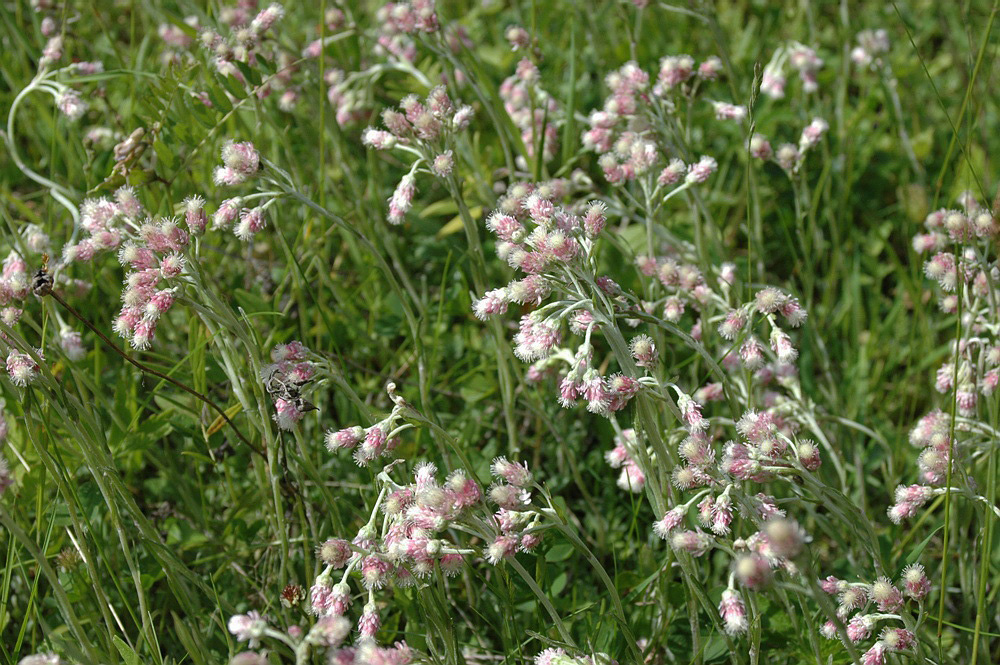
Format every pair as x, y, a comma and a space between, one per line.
443, 164
21, 368
374, 572
831, 585
812, 134
370, 622
672, 172
194, 214
875, 655
852, 598
753, 571
781, 344
752, 354
158, 303
644, 351
727, 111
242, 158
252, 221
675, 69
733, 613
897, 639
709, 69
860, 628
809, 456
670, 520
493, 303
785, 537
503, 547
505, 227
266, 18
72, 345
509, 497
71, 105
732, 324
373, 445
530, 290
287, 414
700, 171
529, 542
760, 147
515, 474
378, 139
228, 212
335, 552
402, 199
247, 627
691, 412
551, 656
695, 543
722, 515
594, 219
915, 582
631, 478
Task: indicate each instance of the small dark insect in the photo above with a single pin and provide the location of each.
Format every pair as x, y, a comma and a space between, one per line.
41, 281
280, 386
302, 405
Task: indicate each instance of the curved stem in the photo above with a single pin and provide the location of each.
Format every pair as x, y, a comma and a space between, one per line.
149, 370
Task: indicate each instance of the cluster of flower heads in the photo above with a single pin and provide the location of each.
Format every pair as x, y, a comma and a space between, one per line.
14, 290
553, 246
244, 40
326, 634
878, 602
240, 163
284, 378
423, 129
408, 18
68, 101
151, 248
802, 59
245, 43
974, 225
962, 264
872, 44
410, 536
622, 131
531, 109
370, 443
776, 545
789, 156
764, 451
154, 249
396, 24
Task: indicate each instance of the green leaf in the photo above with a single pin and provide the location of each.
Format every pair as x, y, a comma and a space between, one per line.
164, 154
251, 74
559, 552
919, 549
128, 654
218, 98
234, 87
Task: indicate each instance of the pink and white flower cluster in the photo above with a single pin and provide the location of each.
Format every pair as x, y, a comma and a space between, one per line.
425, 129
878, 602
963, 264
623, 132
